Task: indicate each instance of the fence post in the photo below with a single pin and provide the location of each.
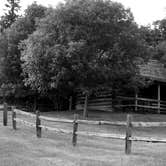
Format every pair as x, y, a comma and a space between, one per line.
13, 118
5, 114
128, 142
38, 123
75, 128
70, 103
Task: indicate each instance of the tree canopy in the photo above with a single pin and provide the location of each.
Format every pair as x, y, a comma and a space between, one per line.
83, 44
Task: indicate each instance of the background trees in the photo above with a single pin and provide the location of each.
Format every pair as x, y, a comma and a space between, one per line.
11, 78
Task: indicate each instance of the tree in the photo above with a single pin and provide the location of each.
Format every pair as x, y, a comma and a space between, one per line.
155, 37
85, 44
12, 7
10, 65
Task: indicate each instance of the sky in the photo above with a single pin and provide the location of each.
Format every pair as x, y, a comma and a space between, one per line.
144, 11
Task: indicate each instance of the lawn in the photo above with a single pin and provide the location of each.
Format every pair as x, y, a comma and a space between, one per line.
21, 147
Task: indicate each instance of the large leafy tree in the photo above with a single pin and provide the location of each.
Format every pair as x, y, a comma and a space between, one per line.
10, 65
84, 44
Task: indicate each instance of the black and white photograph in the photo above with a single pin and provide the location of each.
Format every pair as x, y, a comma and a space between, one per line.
83, 83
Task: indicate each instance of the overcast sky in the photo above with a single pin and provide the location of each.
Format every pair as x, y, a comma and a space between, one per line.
145, 11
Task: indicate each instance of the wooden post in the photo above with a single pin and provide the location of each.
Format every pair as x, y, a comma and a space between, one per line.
13, 118
38, 123
136, 101
75, 128
70, 103
85, 113
158, 98
5, 114
128, 142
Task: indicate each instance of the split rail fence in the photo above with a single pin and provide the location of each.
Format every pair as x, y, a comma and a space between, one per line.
38, 125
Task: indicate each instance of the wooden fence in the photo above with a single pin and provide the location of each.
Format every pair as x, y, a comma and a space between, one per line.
139, 103
104, 102
129, 127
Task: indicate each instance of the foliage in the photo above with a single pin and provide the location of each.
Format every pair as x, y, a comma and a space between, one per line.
84, 44
10, 65
160, 26
159, 46
12, 7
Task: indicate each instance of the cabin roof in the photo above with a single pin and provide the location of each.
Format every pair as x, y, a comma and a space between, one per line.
154, 70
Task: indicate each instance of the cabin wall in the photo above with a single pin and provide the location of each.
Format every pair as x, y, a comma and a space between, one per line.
101, 101
151, 99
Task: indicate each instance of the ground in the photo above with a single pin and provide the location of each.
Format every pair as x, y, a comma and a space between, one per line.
21, 147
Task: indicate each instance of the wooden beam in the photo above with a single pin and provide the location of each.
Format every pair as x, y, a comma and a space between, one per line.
128, 142
148, 124
75, 128
146, 139
24, 113
60, 120
5, 114
103, 135
90, 122
38, 123
13, 118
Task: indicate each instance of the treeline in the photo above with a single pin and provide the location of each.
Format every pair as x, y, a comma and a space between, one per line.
81, 44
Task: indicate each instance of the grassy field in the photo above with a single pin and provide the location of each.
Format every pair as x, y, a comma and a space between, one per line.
21, 147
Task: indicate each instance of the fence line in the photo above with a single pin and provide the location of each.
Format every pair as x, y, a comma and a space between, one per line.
139, 102
129, 126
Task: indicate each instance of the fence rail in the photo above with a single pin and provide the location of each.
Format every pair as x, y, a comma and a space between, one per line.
129, 124
103, 135
56, 129
55, 119
148, 124
24, 113
117, 123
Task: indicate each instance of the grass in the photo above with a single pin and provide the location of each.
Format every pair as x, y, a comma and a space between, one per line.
21, 147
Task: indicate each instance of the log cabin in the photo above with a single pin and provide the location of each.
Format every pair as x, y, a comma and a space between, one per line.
150, 99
